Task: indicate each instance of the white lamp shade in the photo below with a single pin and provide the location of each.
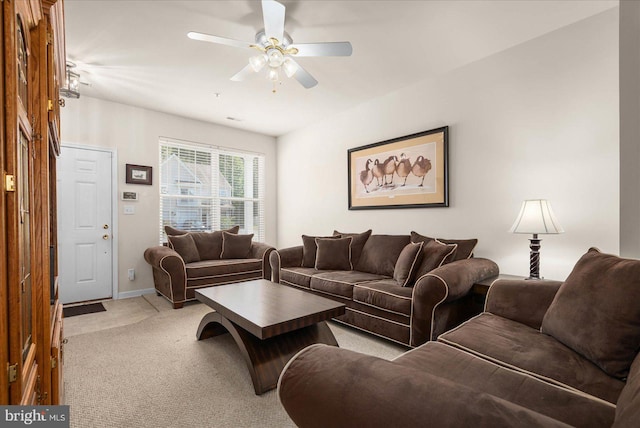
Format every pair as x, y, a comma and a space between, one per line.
536, 217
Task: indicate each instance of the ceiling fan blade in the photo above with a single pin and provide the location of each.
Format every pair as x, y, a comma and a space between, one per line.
273, 14
323, 49
243, 74
304, 77
217, 39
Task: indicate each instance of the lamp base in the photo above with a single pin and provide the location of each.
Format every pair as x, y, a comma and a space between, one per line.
534, 257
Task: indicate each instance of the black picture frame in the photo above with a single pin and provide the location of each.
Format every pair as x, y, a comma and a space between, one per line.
139, 174
419, 177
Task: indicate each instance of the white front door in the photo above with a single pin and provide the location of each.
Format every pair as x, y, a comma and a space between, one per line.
84, 224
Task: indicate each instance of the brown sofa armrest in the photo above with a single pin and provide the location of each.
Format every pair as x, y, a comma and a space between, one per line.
286, 257
524, 301
325, 386
260, 250
444, 284
169, 273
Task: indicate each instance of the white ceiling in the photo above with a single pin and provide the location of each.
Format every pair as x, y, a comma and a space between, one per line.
137, 52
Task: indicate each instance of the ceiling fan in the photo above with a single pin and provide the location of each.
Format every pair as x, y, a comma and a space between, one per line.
277, 50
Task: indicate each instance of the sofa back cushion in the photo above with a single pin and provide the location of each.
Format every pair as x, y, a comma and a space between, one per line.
628, 405
359, 239
464, 249
184, 245
209, 244
434, 255
310, 249
596, 311
235, 246
407, 264
380, 254
334, 254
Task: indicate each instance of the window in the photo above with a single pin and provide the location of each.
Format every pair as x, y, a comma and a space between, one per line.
206, 188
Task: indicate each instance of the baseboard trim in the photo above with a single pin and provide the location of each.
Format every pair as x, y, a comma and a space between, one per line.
135, 293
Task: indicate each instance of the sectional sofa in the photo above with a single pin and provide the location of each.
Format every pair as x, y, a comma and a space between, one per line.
406, 288
543, 354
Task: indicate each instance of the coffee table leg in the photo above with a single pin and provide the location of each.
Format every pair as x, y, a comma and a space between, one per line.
266, 358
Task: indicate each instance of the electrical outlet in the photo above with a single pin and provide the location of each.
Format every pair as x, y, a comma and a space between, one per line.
132, 274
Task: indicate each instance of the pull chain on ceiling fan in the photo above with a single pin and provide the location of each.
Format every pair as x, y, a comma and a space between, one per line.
277, 50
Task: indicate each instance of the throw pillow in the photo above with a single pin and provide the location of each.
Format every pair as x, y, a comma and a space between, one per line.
235, 246
185, 246
596, 311
334, 253
434, 255
407, 263
463, 251
210, 243
380, 254
359, 239
172, 231
309, 249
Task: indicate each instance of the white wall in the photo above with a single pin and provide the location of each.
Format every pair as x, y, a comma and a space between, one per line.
539, 120
629, 128
134, 132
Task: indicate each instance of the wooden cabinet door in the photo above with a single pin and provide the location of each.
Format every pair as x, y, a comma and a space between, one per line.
23, 373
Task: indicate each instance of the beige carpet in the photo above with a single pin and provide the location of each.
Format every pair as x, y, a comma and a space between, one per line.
152, 372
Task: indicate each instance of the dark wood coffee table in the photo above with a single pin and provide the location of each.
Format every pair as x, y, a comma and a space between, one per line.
269, 322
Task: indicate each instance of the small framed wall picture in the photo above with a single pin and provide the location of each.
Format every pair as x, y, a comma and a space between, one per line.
138, 174
129, 196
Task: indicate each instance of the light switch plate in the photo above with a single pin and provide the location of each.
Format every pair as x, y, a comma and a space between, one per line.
129, 209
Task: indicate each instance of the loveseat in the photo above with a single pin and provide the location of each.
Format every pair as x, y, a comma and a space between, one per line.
406, 288
543, 354
193, 260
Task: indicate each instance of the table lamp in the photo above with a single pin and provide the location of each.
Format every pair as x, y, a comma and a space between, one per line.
536, 217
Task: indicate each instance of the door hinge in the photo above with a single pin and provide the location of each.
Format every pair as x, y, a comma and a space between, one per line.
54, 362
49, 105
49, 38
9, 183
13, 372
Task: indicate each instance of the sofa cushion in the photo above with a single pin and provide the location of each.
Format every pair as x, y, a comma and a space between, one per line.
310, 248
385, 294
340, 283
299, 276
210, 243
596, 311
463, 251
447, 362
434, 255
333, 254
235, 246
380, 254
523, 348
205, 269
185, 246
359, 239
628, 405
407, 264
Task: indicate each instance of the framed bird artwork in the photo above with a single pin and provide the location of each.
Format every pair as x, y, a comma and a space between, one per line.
405, 172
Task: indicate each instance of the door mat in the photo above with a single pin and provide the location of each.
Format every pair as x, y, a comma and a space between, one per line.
83, 309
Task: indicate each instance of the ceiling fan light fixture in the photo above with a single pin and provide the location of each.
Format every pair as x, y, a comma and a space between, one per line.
258, 62
289, 67
273, 74
276, 58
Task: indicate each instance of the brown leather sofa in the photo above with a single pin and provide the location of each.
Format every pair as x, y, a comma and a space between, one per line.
543, 354
406, 288
194, 260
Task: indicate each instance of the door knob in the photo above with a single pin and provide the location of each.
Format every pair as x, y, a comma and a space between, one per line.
106, 226
105, 237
